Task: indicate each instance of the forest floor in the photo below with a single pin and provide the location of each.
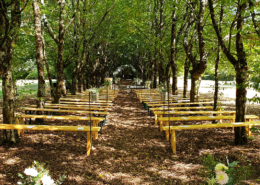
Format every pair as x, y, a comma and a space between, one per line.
130, 150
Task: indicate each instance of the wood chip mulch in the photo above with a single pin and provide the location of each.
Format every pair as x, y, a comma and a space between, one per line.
130, 150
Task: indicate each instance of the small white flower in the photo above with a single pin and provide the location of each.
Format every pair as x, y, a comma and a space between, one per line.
31, 171
46, 180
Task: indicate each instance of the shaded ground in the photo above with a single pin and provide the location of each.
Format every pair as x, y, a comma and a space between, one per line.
130, 150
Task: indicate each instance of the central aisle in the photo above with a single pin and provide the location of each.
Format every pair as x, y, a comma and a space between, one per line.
131, 149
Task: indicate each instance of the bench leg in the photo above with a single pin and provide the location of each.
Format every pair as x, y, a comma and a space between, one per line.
155, 119
248, 131
167, 131
88, 143
95, 134
173, 141
17, 123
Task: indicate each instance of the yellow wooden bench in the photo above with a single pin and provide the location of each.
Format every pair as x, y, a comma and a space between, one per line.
56, 128
84, 103
65, 111
76, 99
177, 104
95, 120
161, 113
172, 130
165, 120
72, 107
165, 109
141, 99
79, 104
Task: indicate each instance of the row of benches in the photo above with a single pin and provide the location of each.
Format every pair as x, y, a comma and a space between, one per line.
68, 105
175, 110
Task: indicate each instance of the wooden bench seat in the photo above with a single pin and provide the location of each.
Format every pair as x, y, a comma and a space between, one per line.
178, 104
65, 111
165, 109
159, 99
84, 100
88, 129
84, 103
73, 107
78, 105
165, 120
161, 113
95, 120
172, 129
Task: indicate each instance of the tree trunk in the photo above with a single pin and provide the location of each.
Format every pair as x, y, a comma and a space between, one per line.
74, 81
174, 79
185, 80
39, 58
80, 78
216, 65
155, 73
61, 86
10, 136
240, 132
173, 53
47, 68
241, 79
194, 92
216, 84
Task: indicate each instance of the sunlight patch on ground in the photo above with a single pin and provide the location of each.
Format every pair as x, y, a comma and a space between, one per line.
12, 161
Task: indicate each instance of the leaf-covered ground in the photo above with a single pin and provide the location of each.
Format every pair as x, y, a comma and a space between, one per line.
130, 150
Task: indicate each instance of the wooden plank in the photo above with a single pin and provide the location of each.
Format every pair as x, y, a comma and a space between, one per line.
65, 111
203, 118
88, 143
61, 117
173, 141
74, 107
159, 114
50, 128
176, 104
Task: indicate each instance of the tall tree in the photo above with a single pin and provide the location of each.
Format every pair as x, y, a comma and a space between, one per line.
239, 62
10, 14
39, 55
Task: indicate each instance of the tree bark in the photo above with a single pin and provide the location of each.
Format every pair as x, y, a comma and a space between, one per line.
173, 53
39, 58
240, 65
216, 66
9, 136
185, 79
61, 86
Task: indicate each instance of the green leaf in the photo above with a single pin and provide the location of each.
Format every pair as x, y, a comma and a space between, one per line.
233, 164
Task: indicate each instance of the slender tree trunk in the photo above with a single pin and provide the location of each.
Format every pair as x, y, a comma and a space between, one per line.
185, 79
39, 55
80, 78
47, 68
155, 72
241, 79
10, 136
74, 81
217, 64
194, 92
61, 86
173, 53
39, 58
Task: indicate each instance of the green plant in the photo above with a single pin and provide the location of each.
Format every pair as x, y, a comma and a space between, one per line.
37, 174
162, 90
106, 83
219, 173
148, 82
94, 90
